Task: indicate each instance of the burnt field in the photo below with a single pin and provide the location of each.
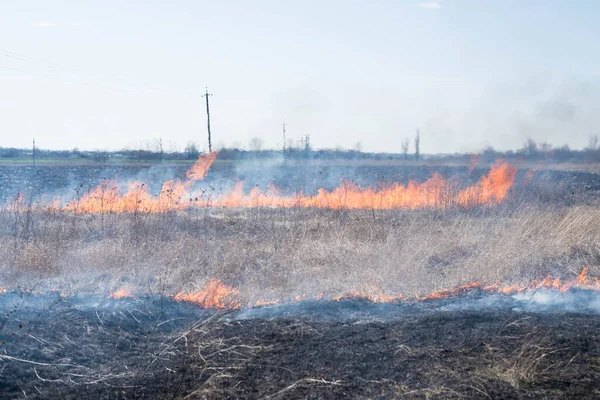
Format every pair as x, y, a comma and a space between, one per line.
471, 346
475, 284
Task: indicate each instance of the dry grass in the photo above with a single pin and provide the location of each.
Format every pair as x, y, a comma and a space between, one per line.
274, 253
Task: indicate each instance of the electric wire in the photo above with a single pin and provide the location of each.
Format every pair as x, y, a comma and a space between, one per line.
133, 87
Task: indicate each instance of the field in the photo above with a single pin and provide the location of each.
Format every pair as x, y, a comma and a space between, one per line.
457, 297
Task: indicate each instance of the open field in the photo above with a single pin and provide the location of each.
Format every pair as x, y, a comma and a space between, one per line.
310, 302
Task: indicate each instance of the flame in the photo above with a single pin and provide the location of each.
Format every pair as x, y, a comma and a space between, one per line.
263, 302
122, 293
217, 295
107, 198
175, 194
583, 281
442, 294
214, 295
372, 294
492, 188
435, 192
200, 169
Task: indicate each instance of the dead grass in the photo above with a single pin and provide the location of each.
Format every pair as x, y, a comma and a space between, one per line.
274, 253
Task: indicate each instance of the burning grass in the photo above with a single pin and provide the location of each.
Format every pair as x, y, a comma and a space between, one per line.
155, 267
435, 192
262, 256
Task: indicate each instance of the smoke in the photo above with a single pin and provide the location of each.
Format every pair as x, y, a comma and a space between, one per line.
539, 301
545, 108
543, 300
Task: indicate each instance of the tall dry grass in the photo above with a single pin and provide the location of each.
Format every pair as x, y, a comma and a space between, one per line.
275, 253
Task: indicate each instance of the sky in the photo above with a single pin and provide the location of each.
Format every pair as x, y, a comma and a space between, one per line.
354, 74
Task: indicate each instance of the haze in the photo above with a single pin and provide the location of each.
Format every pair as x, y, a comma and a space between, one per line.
469, 74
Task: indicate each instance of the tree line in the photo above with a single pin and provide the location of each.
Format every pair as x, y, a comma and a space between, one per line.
531, 150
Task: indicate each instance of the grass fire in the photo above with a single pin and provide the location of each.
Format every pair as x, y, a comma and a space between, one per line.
479, 282
175, 195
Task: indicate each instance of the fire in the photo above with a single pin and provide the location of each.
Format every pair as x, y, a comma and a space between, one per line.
122, 293
492, 188
583, 281
215, 295
200, 169
372, 294
442, 294
436, 192
107, 198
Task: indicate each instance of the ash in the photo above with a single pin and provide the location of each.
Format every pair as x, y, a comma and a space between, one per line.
477, 345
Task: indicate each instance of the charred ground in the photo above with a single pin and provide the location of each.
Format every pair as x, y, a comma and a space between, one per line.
156, 349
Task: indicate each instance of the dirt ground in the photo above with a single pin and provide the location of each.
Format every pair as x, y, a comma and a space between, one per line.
154, 349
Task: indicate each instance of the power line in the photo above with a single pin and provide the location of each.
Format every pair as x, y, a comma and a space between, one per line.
38, 75
133, 85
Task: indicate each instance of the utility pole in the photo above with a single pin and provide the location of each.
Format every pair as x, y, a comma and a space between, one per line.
307, 143
206, 95
284, 137
33, 153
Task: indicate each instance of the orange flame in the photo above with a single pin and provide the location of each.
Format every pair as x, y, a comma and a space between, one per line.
215, 295
442, 294
372, 294
122, 293
434, 192
200, 169
583, 281
106, 197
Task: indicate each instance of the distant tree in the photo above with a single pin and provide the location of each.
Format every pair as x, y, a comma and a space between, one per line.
191, 151
405, 145
593, 142
418, 145
357, 146
488, 154
562, 153
530, 147
256, 144
545, 147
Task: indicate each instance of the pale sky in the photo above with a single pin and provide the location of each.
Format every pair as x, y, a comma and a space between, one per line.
113, 74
